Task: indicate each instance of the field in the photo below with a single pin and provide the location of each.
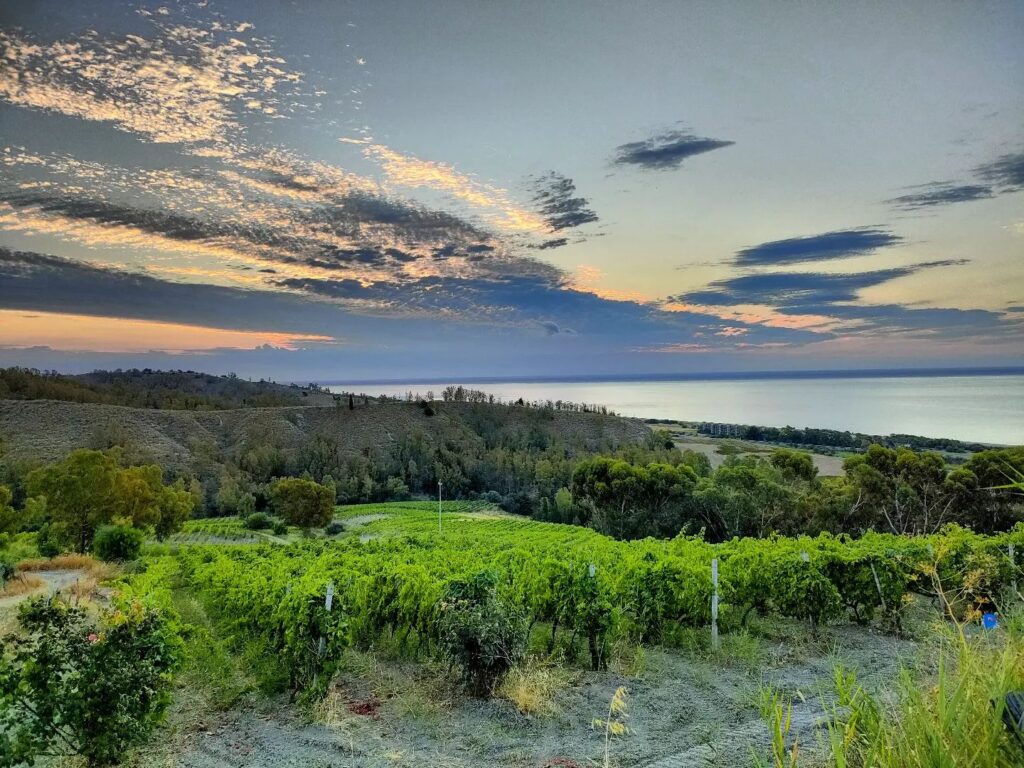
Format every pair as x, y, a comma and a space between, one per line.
718, 449
791, 611
274, 678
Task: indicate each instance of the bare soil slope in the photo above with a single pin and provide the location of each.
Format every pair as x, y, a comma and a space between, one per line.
46, 430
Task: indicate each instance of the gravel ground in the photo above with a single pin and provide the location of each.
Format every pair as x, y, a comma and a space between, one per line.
683, 711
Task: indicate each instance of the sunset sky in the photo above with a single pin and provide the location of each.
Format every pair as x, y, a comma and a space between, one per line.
336, 190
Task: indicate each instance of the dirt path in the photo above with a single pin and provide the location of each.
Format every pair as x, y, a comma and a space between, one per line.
54, 581
685, 712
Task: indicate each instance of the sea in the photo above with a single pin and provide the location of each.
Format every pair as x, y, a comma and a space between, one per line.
986, 408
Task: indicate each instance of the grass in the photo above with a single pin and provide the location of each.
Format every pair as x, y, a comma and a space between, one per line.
67, 562
954, 720
22, 584
533, 685
949, 715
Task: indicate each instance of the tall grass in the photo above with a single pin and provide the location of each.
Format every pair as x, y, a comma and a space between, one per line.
952, 718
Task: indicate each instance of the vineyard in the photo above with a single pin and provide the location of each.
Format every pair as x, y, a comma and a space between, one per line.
571, 584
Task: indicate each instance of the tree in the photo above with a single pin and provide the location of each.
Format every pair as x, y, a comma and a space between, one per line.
79, 495
303, 503
632, 501
795, 465
88, 489
998, 502
11, 520
909, 492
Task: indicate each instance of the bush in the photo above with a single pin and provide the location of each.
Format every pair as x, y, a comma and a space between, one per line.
280, 528
258, 521
334, 528
68, 686
117, 542
479, 632
47, 542
6, 572
302, 502
492, 497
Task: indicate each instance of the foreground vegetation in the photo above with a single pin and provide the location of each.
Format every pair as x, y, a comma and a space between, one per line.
509, 602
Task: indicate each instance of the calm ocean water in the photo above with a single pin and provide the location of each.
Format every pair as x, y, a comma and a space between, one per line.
983, 408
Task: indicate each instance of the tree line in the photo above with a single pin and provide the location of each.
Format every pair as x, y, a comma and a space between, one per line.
895, 490
834, 438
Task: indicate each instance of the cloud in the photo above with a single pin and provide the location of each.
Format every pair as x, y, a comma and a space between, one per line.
554, 197
925, 323
833, 300
1006, 173
665, 151
797, 289
557, 242
839, 244
941, 193
1003, 175
408, 171
185, 85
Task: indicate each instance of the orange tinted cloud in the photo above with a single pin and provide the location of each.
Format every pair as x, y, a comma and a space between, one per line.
757, 315
588, 279
22, 329
409, 171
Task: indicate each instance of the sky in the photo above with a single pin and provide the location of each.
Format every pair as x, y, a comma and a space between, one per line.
332, 190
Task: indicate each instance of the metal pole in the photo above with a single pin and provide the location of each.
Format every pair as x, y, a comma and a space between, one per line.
439, 506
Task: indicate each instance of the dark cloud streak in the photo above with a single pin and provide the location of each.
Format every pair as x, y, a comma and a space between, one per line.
554, 197
666, 151
840, 244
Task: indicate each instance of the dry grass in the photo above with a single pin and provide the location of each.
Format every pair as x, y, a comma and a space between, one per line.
67, 562
532, 686
22, 584
97, 570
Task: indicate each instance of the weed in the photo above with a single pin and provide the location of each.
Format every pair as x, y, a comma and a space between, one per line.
531, 686
614, 725
777, 711
22, 584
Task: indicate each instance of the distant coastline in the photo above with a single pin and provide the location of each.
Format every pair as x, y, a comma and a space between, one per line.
871, 373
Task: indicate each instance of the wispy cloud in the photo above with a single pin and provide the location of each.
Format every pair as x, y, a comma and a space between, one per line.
839, 244
555, 197
1001, 176
666, 151
408, 171
798, 289
185, 85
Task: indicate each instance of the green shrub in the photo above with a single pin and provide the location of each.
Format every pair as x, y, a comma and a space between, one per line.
71, 687
479, 631
117, 543
302, 502
334, 528
47, 542
258, 521
280, 528
6, 572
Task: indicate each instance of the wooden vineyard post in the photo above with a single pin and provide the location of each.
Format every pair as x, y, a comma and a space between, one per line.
878, 586
1013, 567
714, 603
327, 605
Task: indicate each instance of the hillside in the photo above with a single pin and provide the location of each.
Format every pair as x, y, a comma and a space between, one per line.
147, 388
180, 441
